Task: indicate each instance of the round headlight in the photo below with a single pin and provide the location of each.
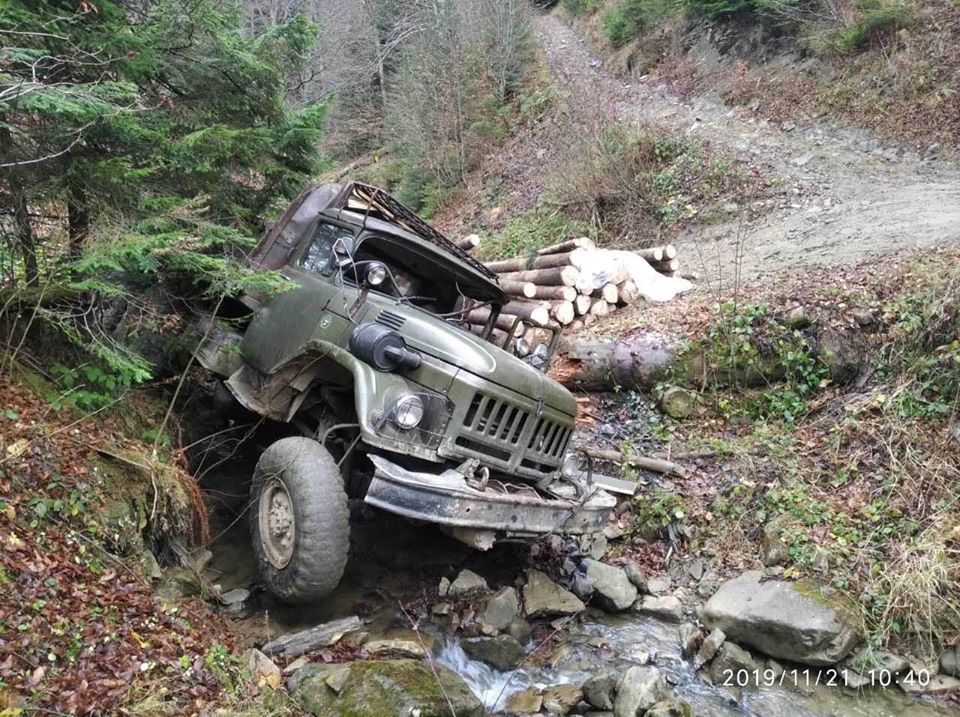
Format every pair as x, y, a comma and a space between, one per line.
522, 347
570, 467
376, 274
408, 411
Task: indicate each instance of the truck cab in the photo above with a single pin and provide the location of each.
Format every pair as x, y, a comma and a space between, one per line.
392, 397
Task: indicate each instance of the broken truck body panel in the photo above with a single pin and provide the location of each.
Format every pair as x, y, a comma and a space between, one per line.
417, 400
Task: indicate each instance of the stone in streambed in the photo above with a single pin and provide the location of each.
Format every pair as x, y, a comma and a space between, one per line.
791, 621
544, 598
666, 608
599, 691
466, 583
528, 701
670, 708
613, 590
389, 687
639, 690
499, 611
502, 652
561, 699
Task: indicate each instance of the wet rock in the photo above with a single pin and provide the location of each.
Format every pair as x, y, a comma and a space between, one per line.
528, 701
520, 630
400, 643
561, 699
613, 590
636, 575
670, 708
600, 690
678, 402
667, 607
791, 621
936, 685
659, 584
543, 598
389, 687
502, 652
500, 610
466, 583
708, 650
150, 566
950, 661
444, 587
441, 609
639, 690
689, 635
730, 660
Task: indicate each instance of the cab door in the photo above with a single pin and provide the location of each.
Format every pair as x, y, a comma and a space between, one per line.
287, 321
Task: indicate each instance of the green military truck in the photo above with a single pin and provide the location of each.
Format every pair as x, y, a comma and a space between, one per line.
394, 400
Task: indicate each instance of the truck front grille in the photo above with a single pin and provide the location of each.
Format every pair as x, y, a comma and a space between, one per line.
494, 428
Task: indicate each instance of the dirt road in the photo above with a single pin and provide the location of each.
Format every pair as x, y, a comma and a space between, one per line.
844, 195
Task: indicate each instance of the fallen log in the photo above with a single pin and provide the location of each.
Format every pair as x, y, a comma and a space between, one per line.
600, 308
669, 251
628, 293
667, 265
566, 246
654, 253
548, 261
300, 643
582, 304
610, 293
469, 242
552, 293
657, 465
533, 312
559, 276
593, 365
563, 312
505, 321
506, 265
526, 289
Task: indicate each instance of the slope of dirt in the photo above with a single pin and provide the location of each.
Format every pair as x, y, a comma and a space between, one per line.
843, 196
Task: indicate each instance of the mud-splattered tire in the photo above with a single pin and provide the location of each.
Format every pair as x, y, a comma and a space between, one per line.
299, 520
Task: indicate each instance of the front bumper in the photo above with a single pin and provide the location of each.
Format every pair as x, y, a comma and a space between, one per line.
477, 516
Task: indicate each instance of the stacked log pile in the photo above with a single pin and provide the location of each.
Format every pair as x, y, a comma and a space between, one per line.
544, 290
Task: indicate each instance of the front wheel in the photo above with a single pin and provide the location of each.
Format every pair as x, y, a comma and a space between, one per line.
300, 522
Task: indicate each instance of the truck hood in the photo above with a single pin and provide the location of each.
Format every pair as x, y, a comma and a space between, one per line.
449, 343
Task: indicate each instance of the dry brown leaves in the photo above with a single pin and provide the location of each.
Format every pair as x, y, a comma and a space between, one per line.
77, 625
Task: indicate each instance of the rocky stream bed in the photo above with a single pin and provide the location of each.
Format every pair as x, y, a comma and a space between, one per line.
442, 629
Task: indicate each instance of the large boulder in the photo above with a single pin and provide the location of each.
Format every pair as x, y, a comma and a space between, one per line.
543, 598
612, 589
640, 689
392, 687
790, 621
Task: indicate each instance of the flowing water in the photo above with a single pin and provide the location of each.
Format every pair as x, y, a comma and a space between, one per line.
611, 644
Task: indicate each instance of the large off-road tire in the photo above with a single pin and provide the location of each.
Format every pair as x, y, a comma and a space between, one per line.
299, 520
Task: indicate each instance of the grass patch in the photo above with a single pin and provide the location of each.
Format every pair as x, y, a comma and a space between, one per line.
633, 184
875, 22
528, 231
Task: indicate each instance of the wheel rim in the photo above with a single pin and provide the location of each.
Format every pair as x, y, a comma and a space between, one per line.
278, 527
